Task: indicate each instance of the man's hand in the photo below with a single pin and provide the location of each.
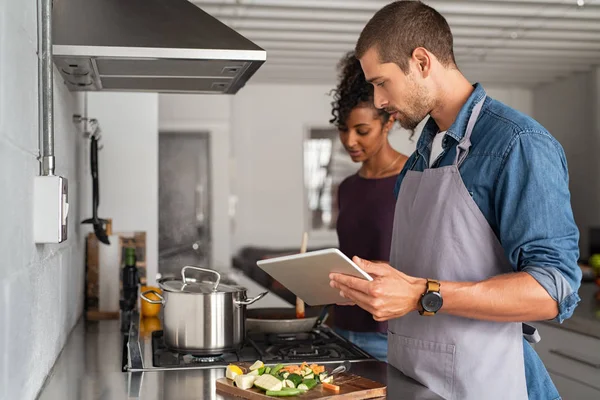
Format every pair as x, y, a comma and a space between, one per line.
391, 294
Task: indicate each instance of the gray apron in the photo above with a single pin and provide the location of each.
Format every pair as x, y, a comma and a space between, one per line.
440, 233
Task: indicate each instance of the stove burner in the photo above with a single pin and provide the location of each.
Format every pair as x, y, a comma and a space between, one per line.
290, 337
305, 351
312, 352
201, 359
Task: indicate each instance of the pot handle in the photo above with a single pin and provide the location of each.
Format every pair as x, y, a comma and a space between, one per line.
143, 296
247, 302
184, 279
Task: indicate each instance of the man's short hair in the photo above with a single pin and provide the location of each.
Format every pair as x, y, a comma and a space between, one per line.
399, 28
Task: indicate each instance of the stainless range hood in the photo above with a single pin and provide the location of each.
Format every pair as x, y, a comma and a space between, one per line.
149, 45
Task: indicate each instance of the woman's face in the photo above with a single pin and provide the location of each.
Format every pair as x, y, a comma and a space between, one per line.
364, 134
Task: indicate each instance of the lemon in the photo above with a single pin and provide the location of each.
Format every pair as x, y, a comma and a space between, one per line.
233, 371
150, 310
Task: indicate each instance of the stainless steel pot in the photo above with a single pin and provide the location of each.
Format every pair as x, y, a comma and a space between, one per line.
202, 318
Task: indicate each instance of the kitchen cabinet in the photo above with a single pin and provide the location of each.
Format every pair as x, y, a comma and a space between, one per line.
573, 361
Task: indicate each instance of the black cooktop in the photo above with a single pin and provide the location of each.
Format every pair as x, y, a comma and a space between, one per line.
321, 345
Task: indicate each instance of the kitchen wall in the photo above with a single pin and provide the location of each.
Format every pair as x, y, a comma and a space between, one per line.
41, 286
569, 110
127, 166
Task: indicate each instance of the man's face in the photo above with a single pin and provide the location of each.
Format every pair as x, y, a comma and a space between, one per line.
402, 95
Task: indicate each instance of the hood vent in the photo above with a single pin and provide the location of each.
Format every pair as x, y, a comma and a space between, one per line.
149, 45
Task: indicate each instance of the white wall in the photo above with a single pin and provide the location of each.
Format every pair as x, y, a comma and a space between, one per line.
41, 286
127, 166
568, 109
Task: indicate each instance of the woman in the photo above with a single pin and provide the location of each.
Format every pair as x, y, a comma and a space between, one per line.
366, 199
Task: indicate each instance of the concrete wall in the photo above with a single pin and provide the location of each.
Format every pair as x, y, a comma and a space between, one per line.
41, 286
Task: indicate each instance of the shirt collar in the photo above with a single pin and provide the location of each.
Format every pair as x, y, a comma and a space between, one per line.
458, 128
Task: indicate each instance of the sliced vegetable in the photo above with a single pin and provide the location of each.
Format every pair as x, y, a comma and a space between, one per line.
306, 371
309, 376
295, 378
317, 369
267, 370
245, 381
276, 369
261, 370
289, 384
328, 379
308, 383
257, 364
322, 376
268, 382
333, 388
285, 375
288, 392
232, 371
255, 373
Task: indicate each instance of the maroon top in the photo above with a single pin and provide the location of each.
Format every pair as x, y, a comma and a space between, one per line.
364, 228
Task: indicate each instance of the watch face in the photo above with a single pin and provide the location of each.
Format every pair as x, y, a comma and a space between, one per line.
432, 301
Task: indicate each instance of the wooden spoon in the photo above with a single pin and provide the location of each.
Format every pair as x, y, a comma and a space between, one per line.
299, 303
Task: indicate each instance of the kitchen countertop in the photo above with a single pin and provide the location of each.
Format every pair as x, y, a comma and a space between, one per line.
586, 317
89, 368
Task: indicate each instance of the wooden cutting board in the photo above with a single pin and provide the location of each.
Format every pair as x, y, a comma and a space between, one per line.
351, 387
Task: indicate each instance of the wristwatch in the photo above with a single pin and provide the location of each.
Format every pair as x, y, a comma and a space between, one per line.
431, 301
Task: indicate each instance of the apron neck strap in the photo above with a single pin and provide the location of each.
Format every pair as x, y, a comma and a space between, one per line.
465, 144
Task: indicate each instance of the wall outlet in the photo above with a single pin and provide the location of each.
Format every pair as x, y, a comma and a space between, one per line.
50, 209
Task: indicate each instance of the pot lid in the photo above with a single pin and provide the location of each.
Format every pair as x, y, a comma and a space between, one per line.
188, 284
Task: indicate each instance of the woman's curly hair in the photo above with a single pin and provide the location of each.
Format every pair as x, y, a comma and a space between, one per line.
353, 90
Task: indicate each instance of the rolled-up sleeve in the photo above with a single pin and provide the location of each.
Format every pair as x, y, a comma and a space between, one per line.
535, 220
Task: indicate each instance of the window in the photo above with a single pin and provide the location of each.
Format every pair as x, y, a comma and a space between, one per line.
326, 164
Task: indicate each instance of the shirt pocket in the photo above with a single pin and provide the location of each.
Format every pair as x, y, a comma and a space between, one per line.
429, 363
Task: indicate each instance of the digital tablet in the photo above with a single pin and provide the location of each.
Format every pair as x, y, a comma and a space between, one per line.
307, 274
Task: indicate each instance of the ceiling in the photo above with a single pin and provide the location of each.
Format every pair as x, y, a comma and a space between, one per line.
505, 42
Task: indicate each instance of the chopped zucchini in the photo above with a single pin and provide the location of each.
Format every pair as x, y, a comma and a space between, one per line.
268, 382
285, 375
276, 369
309, 383
244, 381
257, 364
322, 376
328, 379
295, 378
288, 384
287, 392
309, 376
306, 371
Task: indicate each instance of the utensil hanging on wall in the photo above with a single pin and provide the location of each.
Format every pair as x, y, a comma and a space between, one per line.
98, 223
300, 313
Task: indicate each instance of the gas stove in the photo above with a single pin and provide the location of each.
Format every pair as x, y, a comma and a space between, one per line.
323, 345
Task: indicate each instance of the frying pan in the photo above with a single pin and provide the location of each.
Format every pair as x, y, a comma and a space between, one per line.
283, 320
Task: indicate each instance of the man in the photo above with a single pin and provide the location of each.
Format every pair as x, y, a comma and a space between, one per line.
484, 237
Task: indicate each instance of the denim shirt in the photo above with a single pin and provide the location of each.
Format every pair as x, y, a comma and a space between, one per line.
517, 174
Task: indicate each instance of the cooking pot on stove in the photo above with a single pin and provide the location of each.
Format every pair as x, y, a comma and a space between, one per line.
202, 318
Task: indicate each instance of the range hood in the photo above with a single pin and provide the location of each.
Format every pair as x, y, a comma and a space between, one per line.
149, 45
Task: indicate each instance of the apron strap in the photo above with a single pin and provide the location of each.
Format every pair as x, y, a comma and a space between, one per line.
465, 144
